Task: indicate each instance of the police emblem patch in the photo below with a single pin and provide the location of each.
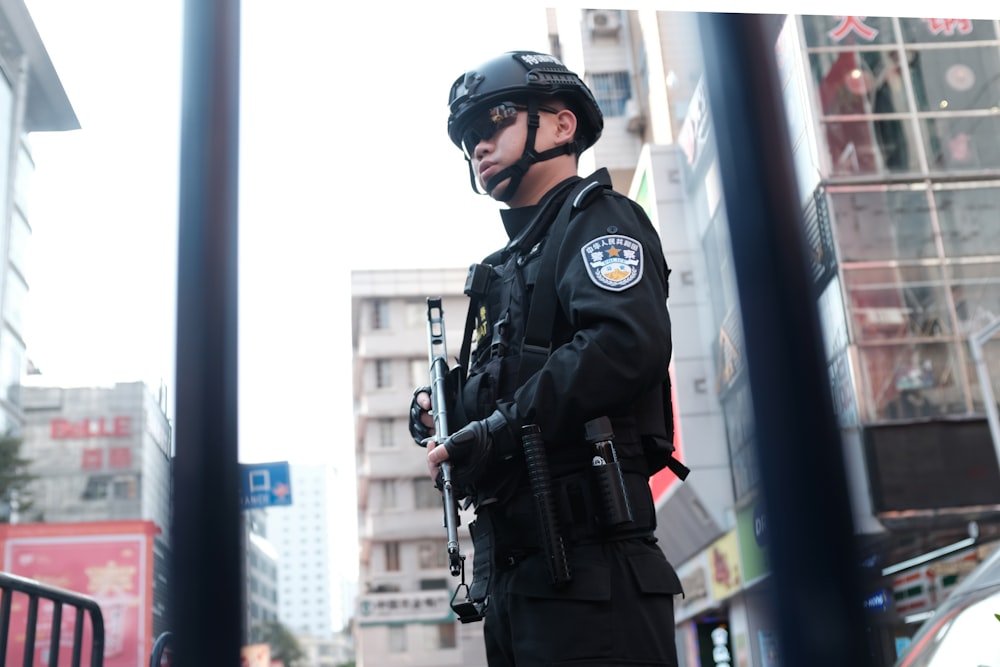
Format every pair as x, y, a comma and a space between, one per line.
614, 262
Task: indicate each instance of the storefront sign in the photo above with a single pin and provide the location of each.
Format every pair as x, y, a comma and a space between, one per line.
855, 25
91, 427
694, 133
878, 601
695, 587
118, 458
949, 26
751, 528
724, 561
713, 644
389, 608
694, 576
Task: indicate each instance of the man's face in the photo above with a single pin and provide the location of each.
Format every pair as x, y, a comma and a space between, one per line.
496, 140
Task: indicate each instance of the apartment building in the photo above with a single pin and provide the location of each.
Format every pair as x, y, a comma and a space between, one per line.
403, 614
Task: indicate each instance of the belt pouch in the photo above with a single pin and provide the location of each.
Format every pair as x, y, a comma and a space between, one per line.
481, 531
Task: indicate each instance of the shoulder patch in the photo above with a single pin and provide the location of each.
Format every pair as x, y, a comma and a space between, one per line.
613, 262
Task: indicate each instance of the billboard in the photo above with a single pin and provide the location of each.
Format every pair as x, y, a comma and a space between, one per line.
109, 561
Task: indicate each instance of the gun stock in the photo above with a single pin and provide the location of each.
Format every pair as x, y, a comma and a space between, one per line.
438, 358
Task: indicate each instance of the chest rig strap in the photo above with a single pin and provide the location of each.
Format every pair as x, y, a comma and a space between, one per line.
476, 284
537, 343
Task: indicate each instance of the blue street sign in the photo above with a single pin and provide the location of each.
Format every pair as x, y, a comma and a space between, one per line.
265, 485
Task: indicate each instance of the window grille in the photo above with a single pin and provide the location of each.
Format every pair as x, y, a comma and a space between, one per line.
612, 90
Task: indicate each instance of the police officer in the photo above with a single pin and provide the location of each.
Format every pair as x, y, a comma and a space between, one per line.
568, 323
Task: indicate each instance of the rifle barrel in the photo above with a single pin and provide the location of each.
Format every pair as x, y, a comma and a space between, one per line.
438, 358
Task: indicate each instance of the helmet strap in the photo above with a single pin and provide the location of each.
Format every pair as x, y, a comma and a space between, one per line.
529, 156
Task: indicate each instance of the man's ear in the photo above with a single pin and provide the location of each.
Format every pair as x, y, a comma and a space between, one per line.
565, 126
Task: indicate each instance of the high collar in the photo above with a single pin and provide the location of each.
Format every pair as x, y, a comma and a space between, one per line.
517, 221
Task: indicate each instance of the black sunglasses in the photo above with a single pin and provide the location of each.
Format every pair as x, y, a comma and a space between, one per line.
492, 121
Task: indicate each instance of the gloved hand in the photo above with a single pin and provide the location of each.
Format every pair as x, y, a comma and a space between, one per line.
469, 450
421, 420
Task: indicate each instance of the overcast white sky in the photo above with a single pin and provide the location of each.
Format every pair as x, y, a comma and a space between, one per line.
345, 164
343, 156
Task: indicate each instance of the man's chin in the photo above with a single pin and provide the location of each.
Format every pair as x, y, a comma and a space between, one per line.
499, 193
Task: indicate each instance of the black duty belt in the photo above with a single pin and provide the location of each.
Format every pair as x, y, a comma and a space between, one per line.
515, 523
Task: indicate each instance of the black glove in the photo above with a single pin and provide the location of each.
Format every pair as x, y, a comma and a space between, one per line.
418, 429
470, 449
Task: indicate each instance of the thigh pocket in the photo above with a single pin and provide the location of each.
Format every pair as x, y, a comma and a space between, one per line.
591, 580
571, 625
653, 574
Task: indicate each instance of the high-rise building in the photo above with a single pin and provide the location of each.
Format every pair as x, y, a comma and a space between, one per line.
317, 563
32, 99
301, 534
403, 614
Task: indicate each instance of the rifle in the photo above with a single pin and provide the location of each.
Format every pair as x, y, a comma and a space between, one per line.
438, 357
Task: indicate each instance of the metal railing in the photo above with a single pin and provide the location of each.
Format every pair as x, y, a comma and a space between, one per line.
35, 592
163, 646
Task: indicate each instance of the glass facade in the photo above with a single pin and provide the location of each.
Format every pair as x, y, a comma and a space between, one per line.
909, 110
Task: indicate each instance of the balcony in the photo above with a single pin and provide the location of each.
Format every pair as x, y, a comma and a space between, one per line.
395, 525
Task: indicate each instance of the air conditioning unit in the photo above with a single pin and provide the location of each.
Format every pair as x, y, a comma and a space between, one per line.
604, 21
635, 122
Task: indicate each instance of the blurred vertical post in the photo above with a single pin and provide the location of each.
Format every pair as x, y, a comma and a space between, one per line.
814, 566
206, 571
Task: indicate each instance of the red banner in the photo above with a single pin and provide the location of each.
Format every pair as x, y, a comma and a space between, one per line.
115, 569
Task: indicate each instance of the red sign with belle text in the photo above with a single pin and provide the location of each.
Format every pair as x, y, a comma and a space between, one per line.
91, 427
114, 568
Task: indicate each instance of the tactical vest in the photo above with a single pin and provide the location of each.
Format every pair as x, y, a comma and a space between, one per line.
515, 320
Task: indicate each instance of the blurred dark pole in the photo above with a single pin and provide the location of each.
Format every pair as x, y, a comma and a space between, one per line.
817, 599
206, 566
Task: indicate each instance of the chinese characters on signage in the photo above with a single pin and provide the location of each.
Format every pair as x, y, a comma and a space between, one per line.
405, 607
855, 25
94, 428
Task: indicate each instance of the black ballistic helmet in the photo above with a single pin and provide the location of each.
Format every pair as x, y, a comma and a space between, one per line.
516, 76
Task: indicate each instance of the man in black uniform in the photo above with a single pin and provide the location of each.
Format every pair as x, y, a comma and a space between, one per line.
567, 324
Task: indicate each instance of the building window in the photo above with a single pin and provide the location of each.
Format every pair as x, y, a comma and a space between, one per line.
415, 314
432, 554
425, 494
612, 90
383, 373
124, 489
397, 639
380, 314
385, 432
433, 584
387, 488
865, 76
419, 372
392, 556
440, 636
97, 487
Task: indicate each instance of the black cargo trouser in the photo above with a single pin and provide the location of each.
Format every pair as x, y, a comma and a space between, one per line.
618, 609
